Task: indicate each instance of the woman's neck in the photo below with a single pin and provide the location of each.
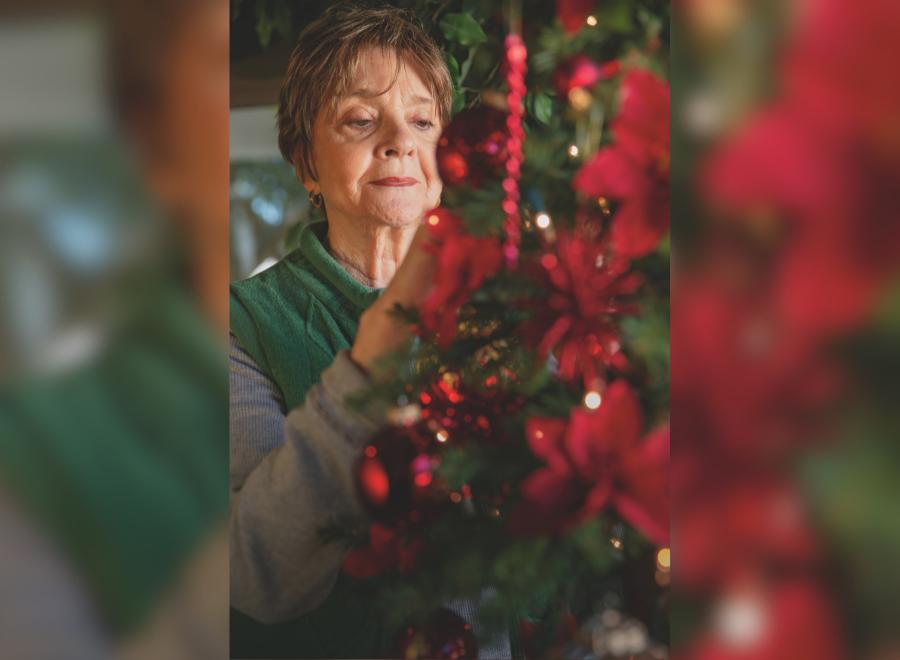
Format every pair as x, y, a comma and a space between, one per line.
370, 254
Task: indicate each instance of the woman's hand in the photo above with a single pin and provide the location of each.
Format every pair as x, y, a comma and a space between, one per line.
380, 331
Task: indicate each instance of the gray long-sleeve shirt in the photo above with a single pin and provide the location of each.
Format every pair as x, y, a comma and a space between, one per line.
291, 472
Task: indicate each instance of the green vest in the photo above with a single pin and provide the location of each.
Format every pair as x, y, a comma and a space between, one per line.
123, 461
293, 319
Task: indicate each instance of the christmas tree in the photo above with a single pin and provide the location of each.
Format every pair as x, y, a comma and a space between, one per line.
525, 466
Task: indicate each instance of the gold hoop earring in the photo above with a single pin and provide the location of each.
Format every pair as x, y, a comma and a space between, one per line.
315, 199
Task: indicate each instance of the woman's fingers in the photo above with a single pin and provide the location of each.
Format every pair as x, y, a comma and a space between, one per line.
379, 331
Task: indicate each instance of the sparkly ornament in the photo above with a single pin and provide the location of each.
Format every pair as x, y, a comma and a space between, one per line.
473, 147
395, 477
444, 635
464, 414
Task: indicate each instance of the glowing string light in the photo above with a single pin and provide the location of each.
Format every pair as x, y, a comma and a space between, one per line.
592, 400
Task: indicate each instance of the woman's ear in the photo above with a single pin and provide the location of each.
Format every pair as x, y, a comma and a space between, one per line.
311, 184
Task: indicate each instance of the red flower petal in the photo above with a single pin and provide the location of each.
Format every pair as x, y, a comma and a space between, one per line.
641, 222
597, 500
549, 501
615, 427
651, 520
611, 172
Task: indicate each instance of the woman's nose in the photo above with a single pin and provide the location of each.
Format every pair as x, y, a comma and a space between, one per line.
397, 141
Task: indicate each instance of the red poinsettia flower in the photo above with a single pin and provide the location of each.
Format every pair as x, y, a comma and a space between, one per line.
386, 551
830, 197
464, 262
588, 290
634, 170
573, 13
785, 383
595, 460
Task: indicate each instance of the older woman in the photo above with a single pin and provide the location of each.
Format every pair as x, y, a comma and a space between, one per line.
362, 107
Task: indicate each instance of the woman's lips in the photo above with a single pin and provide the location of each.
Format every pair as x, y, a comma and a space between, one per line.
395, 181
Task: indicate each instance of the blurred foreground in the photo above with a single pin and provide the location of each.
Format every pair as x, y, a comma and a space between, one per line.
113, 312
785, 328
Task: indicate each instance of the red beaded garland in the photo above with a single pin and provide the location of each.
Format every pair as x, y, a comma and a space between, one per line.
515, 77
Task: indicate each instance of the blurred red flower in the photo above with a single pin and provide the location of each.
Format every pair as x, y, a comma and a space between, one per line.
792, 620
822, 162
464, 262
595, 460
634, 170
833, 204
749, 386
729, 528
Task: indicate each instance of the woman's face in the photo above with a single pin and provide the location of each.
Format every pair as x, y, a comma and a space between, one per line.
375, 156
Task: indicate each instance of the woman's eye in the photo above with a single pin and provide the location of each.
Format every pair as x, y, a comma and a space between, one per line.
424, 123
359, 123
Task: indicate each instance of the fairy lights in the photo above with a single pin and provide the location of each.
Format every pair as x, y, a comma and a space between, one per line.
664, 559
592, 400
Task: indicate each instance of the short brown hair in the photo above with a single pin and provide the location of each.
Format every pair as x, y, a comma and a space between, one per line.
325, 57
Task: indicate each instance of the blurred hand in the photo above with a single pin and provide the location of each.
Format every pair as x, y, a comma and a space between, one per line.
380, 331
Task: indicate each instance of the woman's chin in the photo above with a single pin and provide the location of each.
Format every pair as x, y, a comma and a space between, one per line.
398, 214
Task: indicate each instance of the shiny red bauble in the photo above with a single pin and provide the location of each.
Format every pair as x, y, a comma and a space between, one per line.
473, 147
395, 477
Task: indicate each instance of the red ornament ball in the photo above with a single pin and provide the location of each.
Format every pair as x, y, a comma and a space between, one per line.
443, 635
473, 147
395, 477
